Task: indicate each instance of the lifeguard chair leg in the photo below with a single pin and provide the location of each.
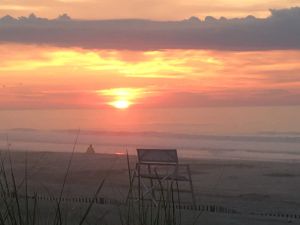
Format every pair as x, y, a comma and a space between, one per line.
151, 184
191, 185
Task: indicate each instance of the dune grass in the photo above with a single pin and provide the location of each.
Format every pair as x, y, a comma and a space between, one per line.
164, 209
18, 207
22, 209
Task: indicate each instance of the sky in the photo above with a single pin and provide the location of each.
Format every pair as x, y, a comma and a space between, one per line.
172, 54
146, 9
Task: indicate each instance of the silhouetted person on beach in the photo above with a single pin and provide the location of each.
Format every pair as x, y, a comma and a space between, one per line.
90, 149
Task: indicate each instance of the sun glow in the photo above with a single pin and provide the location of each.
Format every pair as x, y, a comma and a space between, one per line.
120, 104
123, 97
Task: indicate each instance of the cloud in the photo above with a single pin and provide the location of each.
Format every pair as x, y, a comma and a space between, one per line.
51, 77
29, 97
19, 97
258, 97
281, 30
18, 7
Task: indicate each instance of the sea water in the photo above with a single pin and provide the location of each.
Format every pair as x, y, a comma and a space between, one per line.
251, 133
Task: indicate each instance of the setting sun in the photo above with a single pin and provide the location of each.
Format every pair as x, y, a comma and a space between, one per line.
122, 98
121, 104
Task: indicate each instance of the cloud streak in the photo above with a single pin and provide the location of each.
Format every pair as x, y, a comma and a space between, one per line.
49, 77
281, 30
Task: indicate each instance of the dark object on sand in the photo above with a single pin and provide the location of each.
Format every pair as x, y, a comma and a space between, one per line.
90, 150
159, 166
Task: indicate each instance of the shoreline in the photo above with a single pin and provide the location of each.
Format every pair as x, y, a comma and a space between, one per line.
181, 154
188, 148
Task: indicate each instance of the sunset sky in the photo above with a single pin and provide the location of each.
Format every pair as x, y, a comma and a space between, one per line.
92, 60
146, 9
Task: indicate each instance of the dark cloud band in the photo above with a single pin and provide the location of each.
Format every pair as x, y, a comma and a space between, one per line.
281, 30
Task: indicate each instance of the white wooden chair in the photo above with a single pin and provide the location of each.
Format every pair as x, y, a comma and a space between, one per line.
159, 166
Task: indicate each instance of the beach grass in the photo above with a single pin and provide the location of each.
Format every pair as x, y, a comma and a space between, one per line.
20, 207
17, 207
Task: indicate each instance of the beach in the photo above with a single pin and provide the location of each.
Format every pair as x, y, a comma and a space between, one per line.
245, 186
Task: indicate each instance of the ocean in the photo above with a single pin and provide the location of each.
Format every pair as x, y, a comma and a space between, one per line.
237, 133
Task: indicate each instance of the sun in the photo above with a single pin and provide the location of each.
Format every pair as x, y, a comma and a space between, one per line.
121, 104
123, 98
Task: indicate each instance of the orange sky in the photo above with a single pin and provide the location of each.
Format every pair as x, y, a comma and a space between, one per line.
151, 9
44, 76
52, 77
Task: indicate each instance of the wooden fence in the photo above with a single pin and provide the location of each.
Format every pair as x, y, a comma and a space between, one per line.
211, 208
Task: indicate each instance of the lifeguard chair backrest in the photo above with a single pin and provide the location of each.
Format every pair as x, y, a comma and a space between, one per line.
163, 156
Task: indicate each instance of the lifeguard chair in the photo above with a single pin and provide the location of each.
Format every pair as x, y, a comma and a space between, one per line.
157, 166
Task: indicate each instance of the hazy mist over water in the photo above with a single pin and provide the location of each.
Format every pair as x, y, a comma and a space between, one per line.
217, 120
259, 133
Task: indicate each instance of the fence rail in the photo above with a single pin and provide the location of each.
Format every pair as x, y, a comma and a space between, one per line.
211, 208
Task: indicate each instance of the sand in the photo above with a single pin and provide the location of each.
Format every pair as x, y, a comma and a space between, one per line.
245, 186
